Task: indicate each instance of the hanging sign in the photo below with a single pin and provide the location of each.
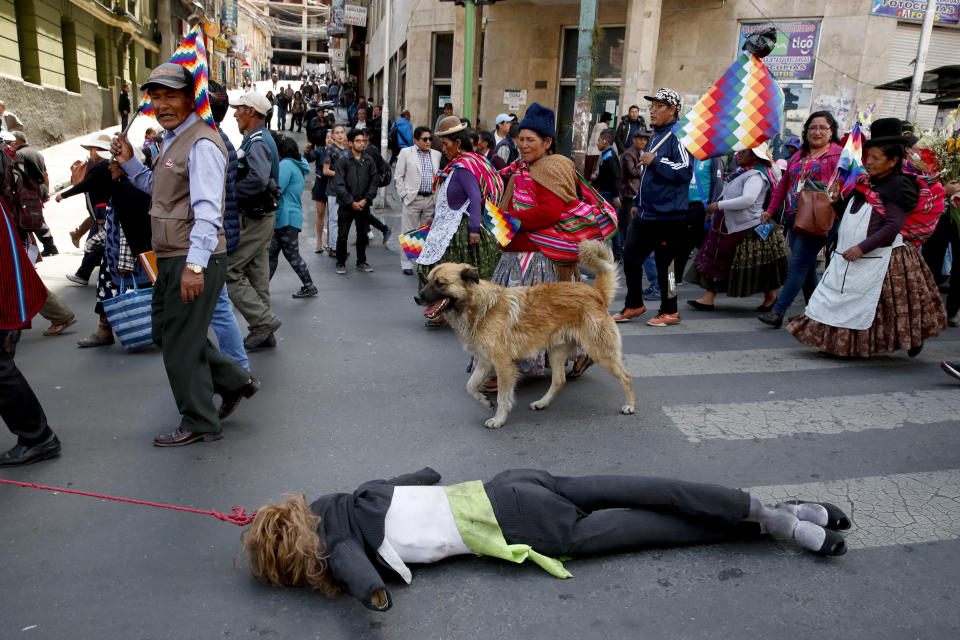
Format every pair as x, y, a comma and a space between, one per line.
794, 55
357, 16
948, 11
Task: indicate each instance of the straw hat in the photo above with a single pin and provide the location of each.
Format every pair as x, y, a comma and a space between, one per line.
762, 151
101, 142
450, 125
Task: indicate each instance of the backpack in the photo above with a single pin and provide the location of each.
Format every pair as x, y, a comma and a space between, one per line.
23, 191
316, 131
923, 219
384, 170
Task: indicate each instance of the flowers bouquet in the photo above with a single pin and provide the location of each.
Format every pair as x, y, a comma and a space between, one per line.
940, 150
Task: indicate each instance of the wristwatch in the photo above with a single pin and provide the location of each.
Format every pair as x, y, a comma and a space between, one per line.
195, 268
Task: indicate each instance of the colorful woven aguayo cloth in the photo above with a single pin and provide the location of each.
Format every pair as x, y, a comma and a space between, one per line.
743, 109
192, 55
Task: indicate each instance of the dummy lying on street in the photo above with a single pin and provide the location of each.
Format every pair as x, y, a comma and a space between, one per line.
339, 542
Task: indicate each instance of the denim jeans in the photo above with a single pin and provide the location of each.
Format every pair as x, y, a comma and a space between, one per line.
224, 325
802, 269
650, 269
332, 227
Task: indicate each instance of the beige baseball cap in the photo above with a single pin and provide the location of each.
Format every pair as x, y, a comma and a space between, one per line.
253, 99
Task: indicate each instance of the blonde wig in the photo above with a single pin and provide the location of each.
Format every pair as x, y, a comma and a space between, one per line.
284, 549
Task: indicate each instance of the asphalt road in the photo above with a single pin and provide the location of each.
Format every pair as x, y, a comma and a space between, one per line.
358, 389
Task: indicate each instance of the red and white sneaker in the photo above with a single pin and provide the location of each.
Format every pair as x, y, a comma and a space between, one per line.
629, 314
664, 319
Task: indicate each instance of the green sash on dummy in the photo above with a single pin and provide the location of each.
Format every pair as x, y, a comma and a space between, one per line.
481, 532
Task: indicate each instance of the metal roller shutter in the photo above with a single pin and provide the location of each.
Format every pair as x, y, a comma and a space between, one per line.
944, 49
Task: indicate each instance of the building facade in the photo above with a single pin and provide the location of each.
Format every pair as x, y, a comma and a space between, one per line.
830, 54
63, 62
299, 35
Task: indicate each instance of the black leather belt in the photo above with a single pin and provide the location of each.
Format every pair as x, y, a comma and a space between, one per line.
425, 193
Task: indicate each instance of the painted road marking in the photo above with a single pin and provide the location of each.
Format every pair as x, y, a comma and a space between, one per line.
830, 415
715, 325
773, 361
908, 508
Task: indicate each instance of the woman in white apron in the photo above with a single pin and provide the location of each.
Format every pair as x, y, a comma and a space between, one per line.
877, 295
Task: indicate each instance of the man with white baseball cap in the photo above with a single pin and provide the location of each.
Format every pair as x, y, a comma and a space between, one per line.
257, 189
254, 100
187, 186
503, 122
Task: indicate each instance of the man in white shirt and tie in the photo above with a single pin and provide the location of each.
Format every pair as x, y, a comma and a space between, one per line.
416, 166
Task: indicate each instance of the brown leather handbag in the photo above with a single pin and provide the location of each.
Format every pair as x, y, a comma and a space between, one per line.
815, 215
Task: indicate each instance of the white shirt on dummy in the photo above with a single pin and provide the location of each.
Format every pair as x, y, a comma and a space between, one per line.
419, 528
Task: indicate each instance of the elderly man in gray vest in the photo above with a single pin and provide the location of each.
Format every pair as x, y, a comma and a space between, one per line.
187, 224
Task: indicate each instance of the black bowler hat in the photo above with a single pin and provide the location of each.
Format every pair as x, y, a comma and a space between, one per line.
887, 131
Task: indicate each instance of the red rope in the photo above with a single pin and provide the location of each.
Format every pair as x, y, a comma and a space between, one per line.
237, 517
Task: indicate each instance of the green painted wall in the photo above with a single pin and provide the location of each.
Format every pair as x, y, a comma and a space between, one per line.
49, 42
9, 58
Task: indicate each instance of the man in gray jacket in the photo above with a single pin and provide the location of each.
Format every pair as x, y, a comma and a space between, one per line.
258, 171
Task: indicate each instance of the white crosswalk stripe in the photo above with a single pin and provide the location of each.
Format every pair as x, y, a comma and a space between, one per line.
900, 509
715, 325
781, 360
824, 415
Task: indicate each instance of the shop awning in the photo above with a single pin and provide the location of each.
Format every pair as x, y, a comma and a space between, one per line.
939, 81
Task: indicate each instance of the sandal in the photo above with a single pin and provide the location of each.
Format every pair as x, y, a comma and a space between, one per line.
57, 329
490, 386
580, 365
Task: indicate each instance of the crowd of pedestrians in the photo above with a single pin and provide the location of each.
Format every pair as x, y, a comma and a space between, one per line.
726, 225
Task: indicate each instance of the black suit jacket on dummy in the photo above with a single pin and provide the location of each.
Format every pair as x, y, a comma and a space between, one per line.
351, 527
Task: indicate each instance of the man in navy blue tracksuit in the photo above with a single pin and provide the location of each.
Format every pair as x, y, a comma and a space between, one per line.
660, 207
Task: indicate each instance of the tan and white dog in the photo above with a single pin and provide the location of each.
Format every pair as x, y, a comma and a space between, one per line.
500, 326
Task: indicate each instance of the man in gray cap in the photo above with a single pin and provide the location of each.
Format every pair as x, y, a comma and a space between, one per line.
258, 193
186, 218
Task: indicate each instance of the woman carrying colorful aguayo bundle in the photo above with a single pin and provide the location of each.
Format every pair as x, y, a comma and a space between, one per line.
457, 233
544, 193
877, 295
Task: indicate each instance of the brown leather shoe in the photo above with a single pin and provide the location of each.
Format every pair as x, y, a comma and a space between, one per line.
96, 340
180, 437
232, 399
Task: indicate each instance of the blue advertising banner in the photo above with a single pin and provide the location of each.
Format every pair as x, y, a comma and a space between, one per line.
228, 18
948, 11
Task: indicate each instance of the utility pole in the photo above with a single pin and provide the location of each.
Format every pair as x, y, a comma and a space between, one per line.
582, 105
921, 63
385, 112
469, 46
385, 102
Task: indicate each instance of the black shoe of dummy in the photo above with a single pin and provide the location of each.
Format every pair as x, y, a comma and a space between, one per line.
22, 454
49, 250
837, 520
833, 544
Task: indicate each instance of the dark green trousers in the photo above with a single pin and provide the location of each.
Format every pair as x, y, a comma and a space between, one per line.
195, 368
